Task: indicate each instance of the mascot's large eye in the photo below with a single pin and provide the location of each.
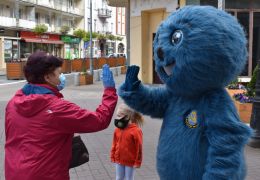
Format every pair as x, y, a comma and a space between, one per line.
176, 37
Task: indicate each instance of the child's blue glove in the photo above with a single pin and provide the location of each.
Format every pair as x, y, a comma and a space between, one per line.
107, 77
131, 80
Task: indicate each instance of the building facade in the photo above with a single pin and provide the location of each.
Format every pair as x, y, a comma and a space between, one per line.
106, 20
146, 15
18, 18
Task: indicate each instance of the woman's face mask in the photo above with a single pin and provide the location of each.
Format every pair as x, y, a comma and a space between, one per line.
121, 123
56, 79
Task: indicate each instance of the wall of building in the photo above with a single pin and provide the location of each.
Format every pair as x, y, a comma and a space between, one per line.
60, 13
145, 18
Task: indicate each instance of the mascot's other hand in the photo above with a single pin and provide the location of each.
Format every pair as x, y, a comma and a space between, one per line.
131, 80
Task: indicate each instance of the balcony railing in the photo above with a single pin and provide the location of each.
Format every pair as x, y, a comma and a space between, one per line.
57, 6
26, 24
104, 13
7, 21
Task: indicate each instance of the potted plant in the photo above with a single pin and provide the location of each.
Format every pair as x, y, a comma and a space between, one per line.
244, 100
244, 104
14, 70
84, 76
40, 29
64, 29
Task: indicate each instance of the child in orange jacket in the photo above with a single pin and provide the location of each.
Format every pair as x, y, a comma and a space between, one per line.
126, 151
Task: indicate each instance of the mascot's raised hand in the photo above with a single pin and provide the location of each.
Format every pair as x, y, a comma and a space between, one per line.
198, 51
132, 82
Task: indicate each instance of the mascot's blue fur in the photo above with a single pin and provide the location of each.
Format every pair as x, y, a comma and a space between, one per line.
198, 51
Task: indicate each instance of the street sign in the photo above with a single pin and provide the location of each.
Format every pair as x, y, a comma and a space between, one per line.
86, 44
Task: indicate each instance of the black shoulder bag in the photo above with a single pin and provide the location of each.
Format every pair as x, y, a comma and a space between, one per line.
80, 153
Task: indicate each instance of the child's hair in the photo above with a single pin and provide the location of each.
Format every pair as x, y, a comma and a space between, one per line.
132, 115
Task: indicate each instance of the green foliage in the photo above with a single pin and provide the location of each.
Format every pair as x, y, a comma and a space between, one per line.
101, 37
252, 83
234, 84
118, 38
80, 33
64, 29
87, 37
111, 37
40, 29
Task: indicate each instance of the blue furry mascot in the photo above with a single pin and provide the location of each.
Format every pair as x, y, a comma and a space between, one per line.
198, 51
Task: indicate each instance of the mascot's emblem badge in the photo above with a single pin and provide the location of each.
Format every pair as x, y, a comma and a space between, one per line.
191, 119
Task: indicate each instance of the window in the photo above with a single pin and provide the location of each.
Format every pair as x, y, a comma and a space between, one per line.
20, 13
70, 3
58, 22
95, 25
1, 10
37, 18
47, 19
10, 50
88, 24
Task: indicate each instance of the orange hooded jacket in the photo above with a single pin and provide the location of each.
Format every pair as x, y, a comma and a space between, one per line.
127, 146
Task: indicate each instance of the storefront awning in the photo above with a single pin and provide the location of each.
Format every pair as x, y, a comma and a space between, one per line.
42, 41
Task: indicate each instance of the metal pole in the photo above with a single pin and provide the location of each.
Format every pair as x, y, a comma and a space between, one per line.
255, 116
90, 34
128, 33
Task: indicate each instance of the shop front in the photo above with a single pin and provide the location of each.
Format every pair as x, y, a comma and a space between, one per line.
31, 42
71, 47
9, 47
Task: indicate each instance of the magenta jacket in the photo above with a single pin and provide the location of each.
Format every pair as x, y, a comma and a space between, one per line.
39, 126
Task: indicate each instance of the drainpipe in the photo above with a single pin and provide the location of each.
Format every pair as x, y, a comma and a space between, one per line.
128, 32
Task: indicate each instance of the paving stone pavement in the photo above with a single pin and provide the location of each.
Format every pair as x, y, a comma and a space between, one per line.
99, 167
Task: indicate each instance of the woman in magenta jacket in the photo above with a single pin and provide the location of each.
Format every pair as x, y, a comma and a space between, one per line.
40, 124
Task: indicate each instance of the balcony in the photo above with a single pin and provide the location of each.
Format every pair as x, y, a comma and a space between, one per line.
7, 21
56, 6
26, 24
45, 3
104, 13
76, 11
29, 1
117, 3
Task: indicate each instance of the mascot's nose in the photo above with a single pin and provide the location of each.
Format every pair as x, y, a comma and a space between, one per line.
160, 54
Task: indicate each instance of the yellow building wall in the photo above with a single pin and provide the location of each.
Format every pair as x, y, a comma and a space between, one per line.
182, 3
141, 48
135, 42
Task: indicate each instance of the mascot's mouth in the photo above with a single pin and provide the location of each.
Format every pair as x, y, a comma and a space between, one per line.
169, 69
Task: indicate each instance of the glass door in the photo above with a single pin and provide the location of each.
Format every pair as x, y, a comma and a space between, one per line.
243, 18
